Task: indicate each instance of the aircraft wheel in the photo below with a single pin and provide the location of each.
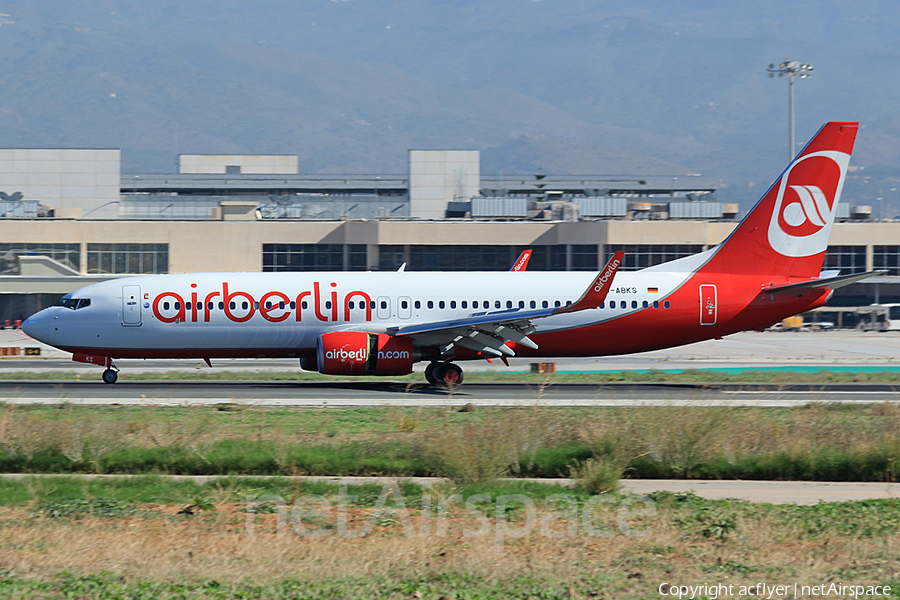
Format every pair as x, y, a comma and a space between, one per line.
430, 372
449, 375
110, 376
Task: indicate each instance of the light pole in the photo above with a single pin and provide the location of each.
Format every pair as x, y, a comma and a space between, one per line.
792, 69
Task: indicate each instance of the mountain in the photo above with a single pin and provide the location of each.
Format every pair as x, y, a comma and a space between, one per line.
570, 85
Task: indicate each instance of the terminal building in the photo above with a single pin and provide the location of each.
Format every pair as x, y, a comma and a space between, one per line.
69, 217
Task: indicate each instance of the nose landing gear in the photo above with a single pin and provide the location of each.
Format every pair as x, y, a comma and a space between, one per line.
445, 374
110, 376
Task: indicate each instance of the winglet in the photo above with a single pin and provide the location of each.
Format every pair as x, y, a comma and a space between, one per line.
599, 288
522, 262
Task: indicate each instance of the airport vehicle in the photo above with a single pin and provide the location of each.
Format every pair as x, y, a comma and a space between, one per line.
879, 317
346, 323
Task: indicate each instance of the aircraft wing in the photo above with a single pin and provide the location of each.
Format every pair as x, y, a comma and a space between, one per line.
489, 332
831, 283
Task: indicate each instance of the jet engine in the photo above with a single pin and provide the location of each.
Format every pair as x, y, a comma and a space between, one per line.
362, 353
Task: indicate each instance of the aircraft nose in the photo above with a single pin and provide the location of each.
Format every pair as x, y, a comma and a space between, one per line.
37, 326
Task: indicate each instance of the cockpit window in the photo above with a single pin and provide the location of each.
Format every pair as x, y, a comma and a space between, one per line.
74, 303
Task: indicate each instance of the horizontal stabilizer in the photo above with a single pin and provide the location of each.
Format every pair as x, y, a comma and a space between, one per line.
831, 283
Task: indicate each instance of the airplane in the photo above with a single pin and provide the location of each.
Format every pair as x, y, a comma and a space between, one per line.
382, 323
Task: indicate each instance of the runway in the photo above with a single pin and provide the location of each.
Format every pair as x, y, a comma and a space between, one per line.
358, 394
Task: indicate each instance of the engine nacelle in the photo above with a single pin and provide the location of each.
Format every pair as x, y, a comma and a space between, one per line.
361, 353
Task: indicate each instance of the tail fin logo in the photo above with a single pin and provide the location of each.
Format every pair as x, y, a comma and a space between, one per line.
806, 203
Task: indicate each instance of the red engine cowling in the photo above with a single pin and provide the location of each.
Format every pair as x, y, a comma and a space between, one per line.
361, 353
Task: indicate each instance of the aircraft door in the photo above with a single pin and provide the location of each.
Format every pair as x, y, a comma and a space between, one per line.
404, 307
131, 305
707, 304
383, 310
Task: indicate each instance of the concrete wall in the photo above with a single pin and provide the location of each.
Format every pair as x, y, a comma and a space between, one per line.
248, 164
437, 177
75, 183
237, 245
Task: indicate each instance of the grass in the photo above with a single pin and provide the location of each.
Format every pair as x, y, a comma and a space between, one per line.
816, 442
125, 539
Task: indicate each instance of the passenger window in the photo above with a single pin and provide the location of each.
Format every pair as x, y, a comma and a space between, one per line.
232, 305
281, 304
453, 304
209, 306
371, 304
464, 304
474, 303
521, 304
244, 305
496, 304
418, 304
328, 305
557, 304
384, 304
293, 305
646, 304
165, 306
533, 304
404, 304
441, 304
666, 304
178, 306
256, 305
545, 304
431, 304
268, 305
634, 304
601, 305
350, 305
656, 304
221, 305
568, 303
486, 304
304, 305
509, 304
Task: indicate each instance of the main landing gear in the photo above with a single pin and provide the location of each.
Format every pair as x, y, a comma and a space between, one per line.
446, 374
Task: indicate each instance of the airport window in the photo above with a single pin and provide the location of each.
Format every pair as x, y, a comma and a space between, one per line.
641, 256
848, 259
886, 258
127, 258
357, 257
424, 257
67, 254
390, 258
584, 257
303, 257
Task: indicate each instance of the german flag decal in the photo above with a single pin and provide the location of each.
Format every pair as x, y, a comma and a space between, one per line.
652, 290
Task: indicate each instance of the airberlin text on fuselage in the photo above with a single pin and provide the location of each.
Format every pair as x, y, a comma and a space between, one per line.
272, 306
